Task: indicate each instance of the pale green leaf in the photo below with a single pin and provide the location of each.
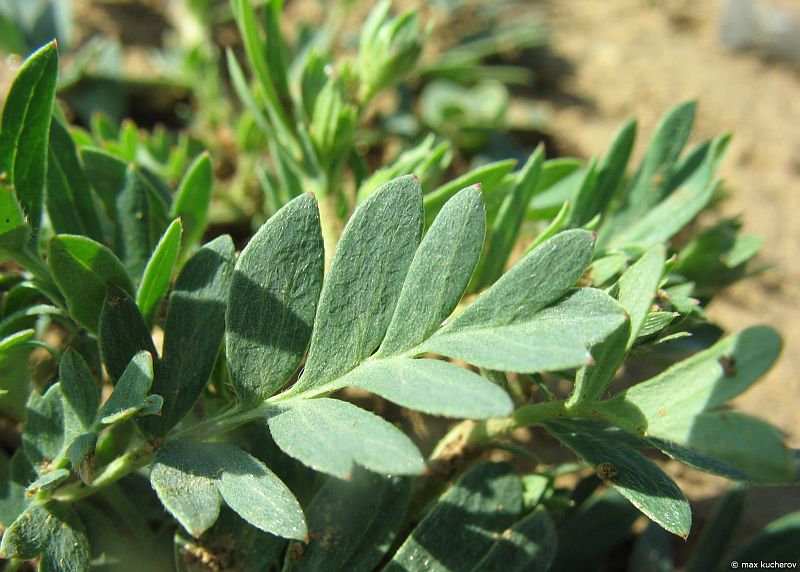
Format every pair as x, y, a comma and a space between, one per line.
557, 337
79, 388
431, 386
331, 436
131, 390
439, 273
364, 282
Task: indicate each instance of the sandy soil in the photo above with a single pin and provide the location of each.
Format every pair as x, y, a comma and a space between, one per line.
637, 58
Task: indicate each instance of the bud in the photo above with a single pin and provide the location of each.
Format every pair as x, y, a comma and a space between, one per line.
390, 48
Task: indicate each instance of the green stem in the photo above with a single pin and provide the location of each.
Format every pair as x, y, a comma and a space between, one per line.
331, 224
120, 467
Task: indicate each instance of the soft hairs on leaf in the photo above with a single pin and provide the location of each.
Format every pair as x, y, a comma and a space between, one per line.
192, 479
364, 282
273, 300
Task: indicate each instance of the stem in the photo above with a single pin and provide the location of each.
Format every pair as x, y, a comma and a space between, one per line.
120, 467
331, 224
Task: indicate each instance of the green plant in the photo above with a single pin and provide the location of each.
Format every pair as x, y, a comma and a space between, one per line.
240, 425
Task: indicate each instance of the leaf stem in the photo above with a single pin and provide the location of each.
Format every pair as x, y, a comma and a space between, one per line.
122, 466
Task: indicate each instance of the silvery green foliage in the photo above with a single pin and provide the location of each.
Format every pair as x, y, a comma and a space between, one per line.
418, 306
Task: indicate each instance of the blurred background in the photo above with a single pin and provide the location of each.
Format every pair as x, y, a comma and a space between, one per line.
566, 73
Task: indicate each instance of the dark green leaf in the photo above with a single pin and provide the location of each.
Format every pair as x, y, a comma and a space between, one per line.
81, 456
192, 478
597, 526
528, 546
331, 436
193, 333
70, 204
439, 273
458, 531
13, 501
158, 272
43, 438
141, 217
631, 473
131, 390
193, 198
25, 129
717, 532
273, 300
83, 269
351, 524
106, 173
778, 542
52, 530
232, 542
364, 282
123, 332
79, 388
